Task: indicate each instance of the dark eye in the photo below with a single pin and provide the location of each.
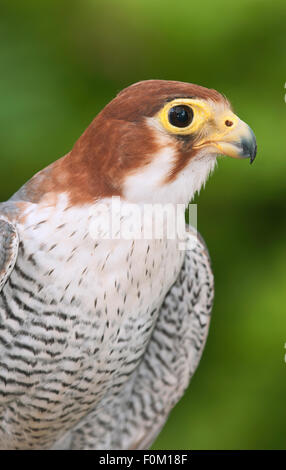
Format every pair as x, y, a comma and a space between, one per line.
181, 116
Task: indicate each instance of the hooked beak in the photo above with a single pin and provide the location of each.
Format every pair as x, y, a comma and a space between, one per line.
233, 138
240, 143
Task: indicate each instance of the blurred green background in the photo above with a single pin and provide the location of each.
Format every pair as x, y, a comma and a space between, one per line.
62, 61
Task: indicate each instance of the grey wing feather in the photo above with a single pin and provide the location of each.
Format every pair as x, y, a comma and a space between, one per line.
136, 416
9, 243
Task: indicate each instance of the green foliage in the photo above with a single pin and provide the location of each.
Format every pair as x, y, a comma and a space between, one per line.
62, 61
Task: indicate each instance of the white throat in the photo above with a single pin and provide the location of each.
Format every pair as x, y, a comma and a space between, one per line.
148, 185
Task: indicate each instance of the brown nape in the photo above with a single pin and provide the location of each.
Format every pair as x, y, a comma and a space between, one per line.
117, 142
97, 165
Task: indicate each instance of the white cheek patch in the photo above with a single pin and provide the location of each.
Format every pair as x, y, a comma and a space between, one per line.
148, 184
140, 186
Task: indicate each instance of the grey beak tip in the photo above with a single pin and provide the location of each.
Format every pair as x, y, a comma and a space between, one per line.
249, 147
253, 154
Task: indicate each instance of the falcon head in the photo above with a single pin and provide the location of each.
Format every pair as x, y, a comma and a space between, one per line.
157, 141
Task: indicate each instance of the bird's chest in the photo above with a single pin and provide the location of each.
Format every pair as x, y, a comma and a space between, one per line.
78, 315
96, 300
108, 292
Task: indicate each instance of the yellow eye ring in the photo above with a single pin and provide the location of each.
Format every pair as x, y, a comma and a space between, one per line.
198, 111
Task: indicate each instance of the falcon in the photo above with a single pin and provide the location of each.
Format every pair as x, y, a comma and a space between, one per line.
99, 337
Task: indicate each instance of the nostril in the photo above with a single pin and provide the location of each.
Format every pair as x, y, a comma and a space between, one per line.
228, 123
